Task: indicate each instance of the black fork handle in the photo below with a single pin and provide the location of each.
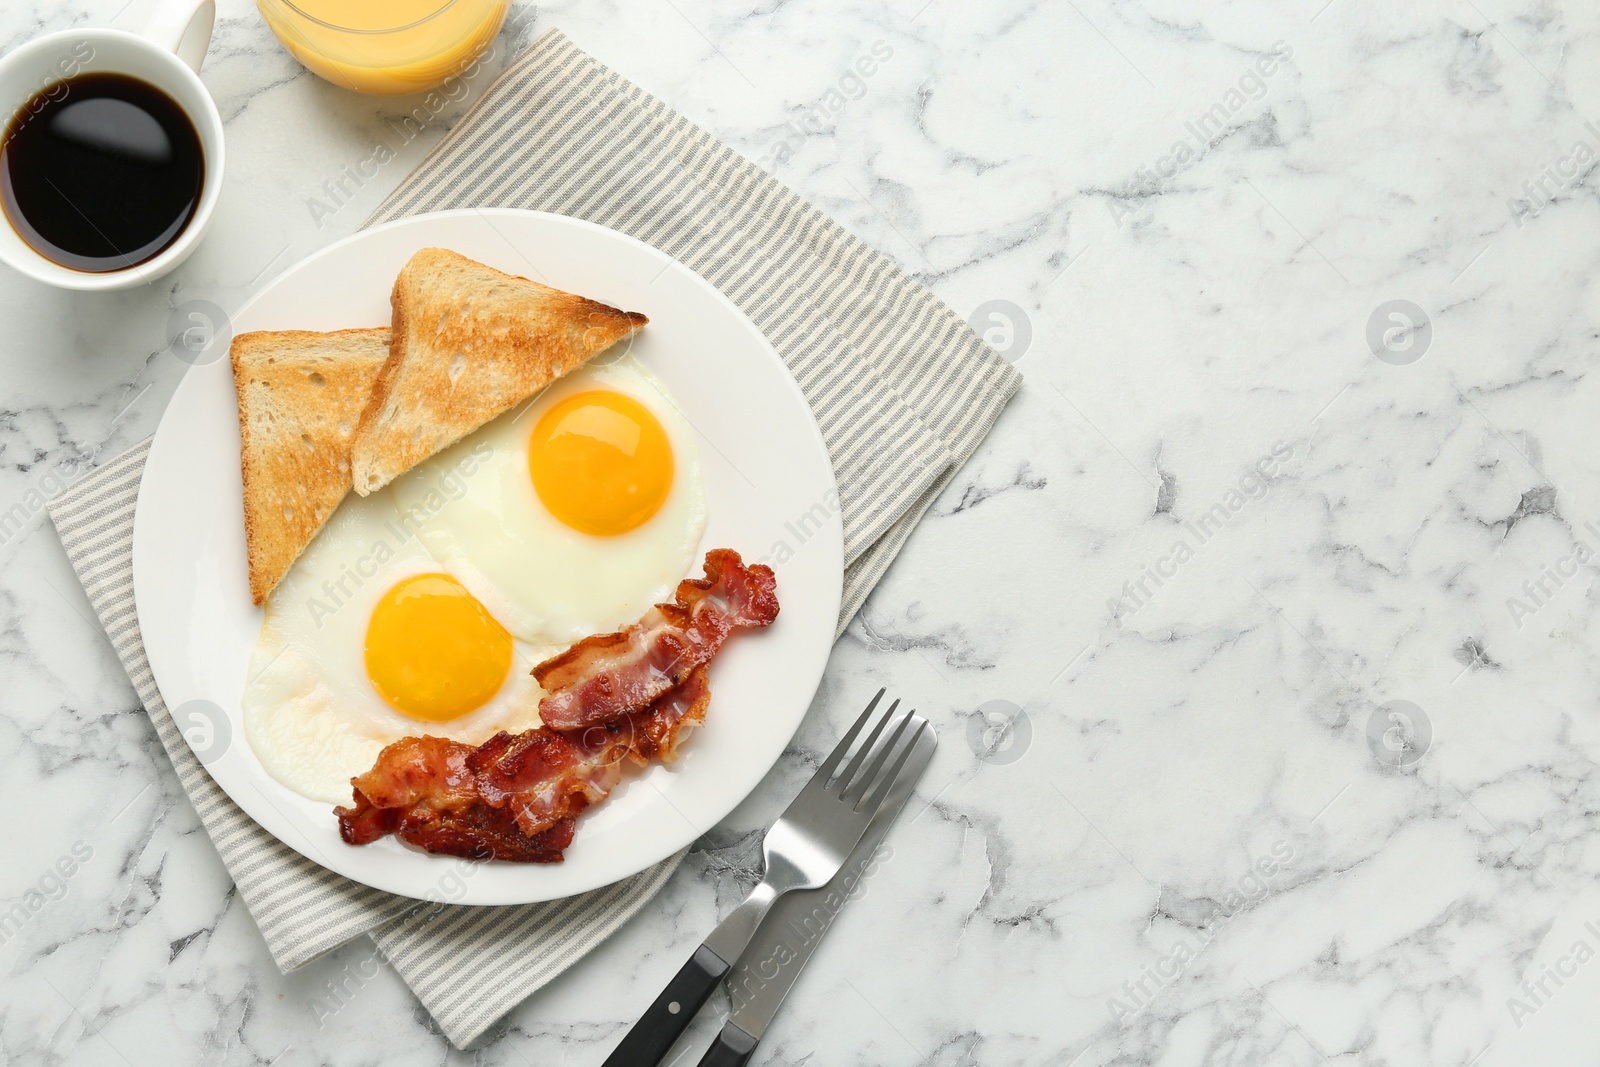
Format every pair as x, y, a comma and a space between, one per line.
668, 1017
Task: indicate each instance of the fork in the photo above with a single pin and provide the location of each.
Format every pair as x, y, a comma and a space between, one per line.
804, 849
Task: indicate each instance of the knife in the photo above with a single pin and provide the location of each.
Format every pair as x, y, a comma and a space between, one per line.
794, 928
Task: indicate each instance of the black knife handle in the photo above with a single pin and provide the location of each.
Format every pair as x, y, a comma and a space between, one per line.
732, 1048
666, 1019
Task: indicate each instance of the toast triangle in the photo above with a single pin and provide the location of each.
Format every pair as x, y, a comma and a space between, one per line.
469, 343
301, 395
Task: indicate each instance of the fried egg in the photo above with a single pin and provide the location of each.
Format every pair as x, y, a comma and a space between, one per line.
571, 515
369, 639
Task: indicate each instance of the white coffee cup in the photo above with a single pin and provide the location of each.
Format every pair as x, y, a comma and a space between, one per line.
166, 55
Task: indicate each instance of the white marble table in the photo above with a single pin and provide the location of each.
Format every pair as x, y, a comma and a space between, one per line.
1207, 549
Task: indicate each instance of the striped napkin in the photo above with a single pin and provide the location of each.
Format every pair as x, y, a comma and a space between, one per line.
881, 361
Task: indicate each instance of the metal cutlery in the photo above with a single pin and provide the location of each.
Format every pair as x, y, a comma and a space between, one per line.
804, 849
795, 926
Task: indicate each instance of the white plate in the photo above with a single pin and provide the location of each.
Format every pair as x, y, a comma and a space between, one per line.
768, 483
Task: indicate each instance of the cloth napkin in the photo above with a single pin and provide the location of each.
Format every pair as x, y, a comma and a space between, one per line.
902, 390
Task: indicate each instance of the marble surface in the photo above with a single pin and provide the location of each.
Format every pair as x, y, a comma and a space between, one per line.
1258, 632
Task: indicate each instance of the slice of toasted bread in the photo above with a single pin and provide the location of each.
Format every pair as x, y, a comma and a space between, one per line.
469, 343
300, 398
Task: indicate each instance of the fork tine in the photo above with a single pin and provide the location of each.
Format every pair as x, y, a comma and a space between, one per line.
825, 772
886, 782
848, 775
860, 784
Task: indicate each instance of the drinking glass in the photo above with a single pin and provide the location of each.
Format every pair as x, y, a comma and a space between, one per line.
385, 46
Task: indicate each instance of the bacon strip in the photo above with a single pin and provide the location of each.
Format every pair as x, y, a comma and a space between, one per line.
422, 791
544, 775
513, 797
603, 678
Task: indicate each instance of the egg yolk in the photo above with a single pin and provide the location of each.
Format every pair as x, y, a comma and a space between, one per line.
433, 652
601, 462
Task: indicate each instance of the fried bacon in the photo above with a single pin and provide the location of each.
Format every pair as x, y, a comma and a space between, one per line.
632, 695
423, 791
515, 797
602, 678
545, 775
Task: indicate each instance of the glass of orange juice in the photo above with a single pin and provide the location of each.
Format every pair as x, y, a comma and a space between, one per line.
385, 46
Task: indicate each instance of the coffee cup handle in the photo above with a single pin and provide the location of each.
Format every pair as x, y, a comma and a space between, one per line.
184, 27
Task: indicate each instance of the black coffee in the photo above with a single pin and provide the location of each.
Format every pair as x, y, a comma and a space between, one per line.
100, 172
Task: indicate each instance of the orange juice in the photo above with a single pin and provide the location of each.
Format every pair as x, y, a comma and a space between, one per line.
385, 46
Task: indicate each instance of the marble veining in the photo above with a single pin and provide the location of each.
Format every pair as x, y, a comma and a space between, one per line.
1259, 633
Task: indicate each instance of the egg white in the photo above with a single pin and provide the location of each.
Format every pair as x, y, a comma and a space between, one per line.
476, 510
311, 713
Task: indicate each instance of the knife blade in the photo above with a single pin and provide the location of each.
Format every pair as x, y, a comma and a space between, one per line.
795, 926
